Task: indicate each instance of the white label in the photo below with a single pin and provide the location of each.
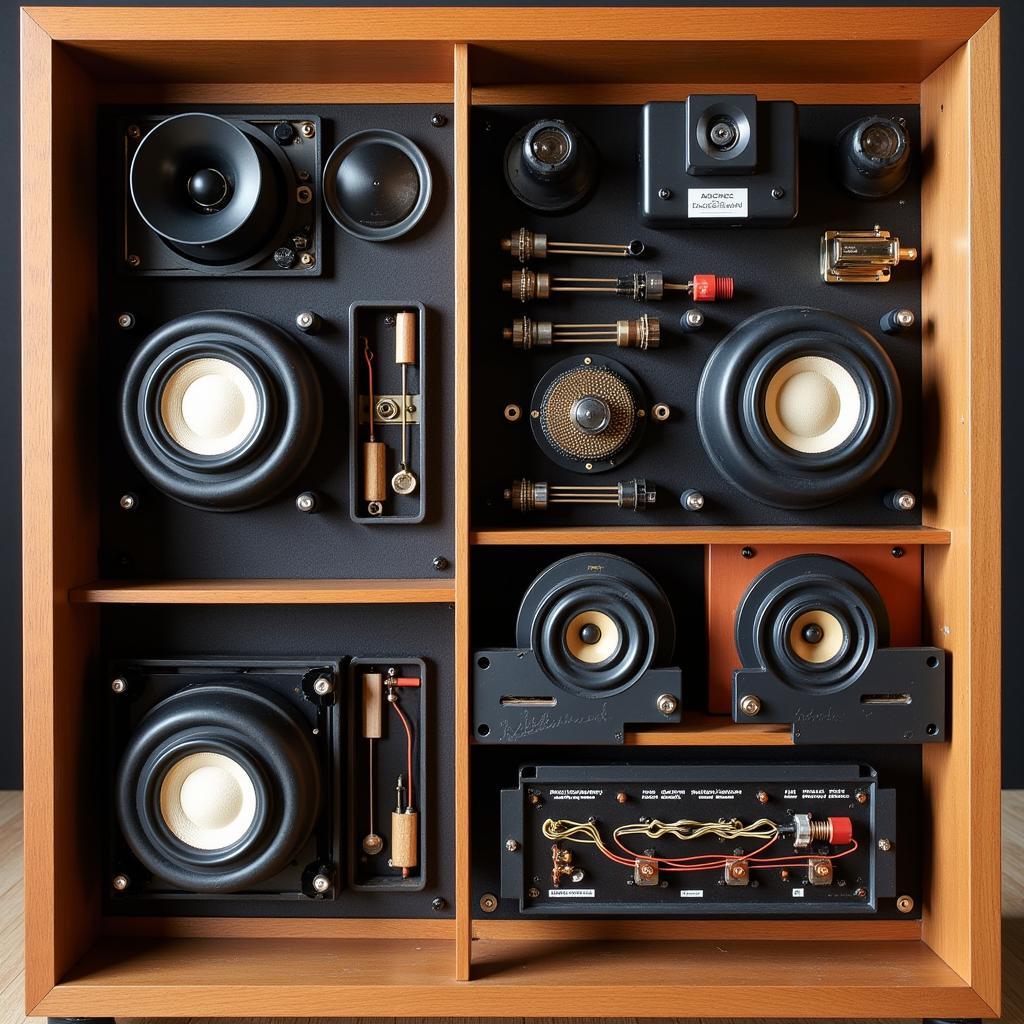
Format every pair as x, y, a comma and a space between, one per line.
564, 893
717, 202
798, 893
691, 894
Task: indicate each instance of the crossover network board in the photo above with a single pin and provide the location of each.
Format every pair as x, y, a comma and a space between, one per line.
503, 512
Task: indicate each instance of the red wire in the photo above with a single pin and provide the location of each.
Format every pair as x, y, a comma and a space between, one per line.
408, 733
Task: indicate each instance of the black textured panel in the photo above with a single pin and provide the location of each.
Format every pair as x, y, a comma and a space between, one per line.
390, 635
162, 538
771, 267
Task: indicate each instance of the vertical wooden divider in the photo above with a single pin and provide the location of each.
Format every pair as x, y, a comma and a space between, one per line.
463, 886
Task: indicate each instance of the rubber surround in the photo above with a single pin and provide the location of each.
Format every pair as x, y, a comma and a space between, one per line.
609, 584
788, 589
251, 725
730, 407
287, 426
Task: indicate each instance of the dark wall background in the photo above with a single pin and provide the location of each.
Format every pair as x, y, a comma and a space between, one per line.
10, 457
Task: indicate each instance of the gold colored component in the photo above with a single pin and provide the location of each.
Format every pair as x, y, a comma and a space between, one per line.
650, 286
750, 705
404, 842
641, 333
488, 903
819, 871
737, 872
864, 257
591, 637
526, 245
817, 636
513, 412
905, 904
645, 871
661, 412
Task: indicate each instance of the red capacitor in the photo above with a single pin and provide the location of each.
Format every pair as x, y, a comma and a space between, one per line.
842, 831
710, 288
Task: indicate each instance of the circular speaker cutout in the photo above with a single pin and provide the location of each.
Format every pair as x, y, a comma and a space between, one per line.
798, 407
813, 621
377, 185
210, 188
595, 623
218, 787
220, 410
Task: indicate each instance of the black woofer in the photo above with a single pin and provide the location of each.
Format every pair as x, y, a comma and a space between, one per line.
220, 410
214, 191
798, 407
218, 787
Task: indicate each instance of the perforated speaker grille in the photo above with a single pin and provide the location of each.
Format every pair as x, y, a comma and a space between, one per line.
561, 430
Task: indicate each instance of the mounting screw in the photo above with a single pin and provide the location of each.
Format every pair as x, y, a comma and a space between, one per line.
621, 798
535, 799
284, 257
661, 411
119, 685
905, 904
533, 892
748, 552
898, 552
513, 412
128, 502
489, 902
901, 501
692, 320
860, 892
303, 196
511, 845
440, 563
323, 686
691, 500
885, 845
778, 193
664, 193
439, 120
126, 321
307, 129
762, 796
389, 320
307, 321
860, 796
438, 903
750, 705
321, 883
133, 131
307, 259
120, 882
738, 870
133, 260
667, 704
307, 502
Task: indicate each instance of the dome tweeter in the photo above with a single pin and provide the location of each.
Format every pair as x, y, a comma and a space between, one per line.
220, 410
551, 166
799, 407
592, 635
812, 633
220, 195
874, 156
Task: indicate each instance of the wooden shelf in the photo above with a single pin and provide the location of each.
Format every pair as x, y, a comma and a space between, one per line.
265, 592
701, 730
320, 977
810, 535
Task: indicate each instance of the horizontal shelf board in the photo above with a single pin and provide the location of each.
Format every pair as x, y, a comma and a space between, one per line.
698, 730
265, 592
576, 535
294, 977
280, 927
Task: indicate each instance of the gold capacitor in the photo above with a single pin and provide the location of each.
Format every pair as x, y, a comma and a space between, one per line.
405, 338
375, 471
404, 838
373, 704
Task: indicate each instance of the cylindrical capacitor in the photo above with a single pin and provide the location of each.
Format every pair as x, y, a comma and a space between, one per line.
373, 705
404, 839
375, 471
405, 338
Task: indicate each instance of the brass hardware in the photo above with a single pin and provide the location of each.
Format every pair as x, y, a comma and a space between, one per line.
861, 257
526, 245
642, 333
632, 495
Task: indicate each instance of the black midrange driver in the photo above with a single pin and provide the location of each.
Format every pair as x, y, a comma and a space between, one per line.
591, 633
551, 166
377, 184
812, 634
220, 410
799, 407
873, 156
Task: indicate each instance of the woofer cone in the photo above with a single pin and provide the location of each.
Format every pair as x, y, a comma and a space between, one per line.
220, 410
225, 840
596, 623
798, 407
210, 189
814, 621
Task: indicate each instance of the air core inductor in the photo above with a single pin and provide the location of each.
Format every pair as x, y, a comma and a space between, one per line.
642, 333
650, 286
632, 495
526, 245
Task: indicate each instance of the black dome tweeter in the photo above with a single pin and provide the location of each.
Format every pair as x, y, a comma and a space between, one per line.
874, 156
798, 407
209, 189
550, 166
377, 185
220, 410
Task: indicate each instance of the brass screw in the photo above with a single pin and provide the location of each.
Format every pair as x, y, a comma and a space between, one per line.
125, 321
304, 195
119, 685
738, 870
307, 129
750, 705
488, 903
661, 412
134, 131
120, 882
621, 798
534, 799
512, 412
762, 796
885, 845
860, 796
127, 502
133, 260
905, 904
822, 870
307, 259
533, 893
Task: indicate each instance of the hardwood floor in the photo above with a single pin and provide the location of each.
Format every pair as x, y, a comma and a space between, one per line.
11, 919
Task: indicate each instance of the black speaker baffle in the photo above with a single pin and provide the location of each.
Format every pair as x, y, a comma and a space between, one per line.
377, 184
